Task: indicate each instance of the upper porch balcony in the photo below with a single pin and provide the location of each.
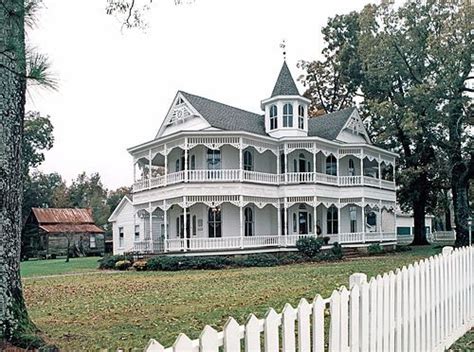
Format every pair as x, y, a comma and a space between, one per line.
204, 159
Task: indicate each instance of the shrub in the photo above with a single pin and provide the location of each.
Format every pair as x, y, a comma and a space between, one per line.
374, 249
336, 251
259, 260
108, 262
309, 246
291, 258
399, 248
140, 265
123, 264
326, 240
333, 254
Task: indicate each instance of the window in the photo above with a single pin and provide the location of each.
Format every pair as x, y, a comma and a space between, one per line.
194, 225
248, 214
403, 231
372, 219
331, 165
179, 101
353, 218
213, 159
178, 232
332, 220
248, 160
193, 162
288, 115
92, 242
295, 223
273, 117
302, 163
177, 165
121, 237
351, 167
295, 165
301, 117
310, 222
137, 232
214, 222
282, 163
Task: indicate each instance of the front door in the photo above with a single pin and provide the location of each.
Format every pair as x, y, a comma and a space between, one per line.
303, 223
302, 165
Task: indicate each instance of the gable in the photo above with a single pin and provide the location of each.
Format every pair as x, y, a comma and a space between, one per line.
123, 207
181, 116
354, 130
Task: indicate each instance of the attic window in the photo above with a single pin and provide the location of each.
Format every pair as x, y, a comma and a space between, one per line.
179, 101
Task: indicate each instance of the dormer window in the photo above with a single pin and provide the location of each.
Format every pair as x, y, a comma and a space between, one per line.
273, 117
288, 115
301, 117
179, 101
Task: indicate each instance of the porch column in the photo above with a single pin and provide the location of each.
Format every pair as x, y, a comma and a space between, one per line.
134, 172
393, 174
149, 168
278, 164
241, 212
166, 165
380, 221
285, 222
315, 217
363, 220
241, 169
314, 165
165, 223
279, 222
185, 223
186, 159
362, 166
339, 220
285, 151
337, 168
380, 172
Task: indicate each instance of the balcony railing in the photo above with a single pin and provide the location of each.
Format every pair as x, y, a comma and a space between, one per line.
249, 242
236, 175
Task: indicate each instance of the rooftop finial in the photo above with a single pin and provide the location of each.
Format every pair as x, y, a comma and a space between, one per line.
283, 48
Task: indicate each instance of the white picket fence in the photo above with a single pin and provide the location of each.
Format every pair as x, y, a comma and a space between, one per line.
425, 307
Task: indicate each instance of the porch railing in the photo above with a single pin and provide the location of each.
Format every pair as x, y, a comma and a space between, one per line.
236, 175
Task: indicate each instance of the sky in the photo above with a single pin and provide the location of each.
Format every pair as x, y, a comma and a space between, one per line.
116, 86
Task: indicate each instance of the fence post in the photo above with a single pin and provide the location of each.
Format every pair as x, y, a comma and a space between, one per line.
447, 250
357, 279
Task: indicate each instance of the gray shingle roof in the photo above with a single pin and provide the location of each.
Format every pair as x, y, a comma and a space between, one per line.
328, 126
285, 85
227, 117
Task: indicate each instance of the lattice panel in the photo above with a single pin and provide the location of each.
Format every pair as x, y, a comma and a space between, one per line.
261, 202
213, 142
259, 146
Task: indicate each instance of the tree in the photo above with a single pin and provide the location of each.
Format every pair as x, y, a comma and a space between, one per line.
17, 65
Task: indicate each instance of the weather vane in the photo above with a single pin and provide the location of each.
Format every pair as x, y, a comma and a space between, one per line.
283, 47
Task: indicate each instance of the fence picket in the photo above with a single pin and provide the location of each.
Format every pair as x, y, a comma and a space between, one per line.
416, 296
385, 312
318, 324
208, 340
183, 344
304, 328
398, 311
391, 311
288, 328
354, 318
373, 315
364, 317
379, 312
344, 321
335, 326
422, 303
252, 334
270, 331
411, 308
231, 336
154, 346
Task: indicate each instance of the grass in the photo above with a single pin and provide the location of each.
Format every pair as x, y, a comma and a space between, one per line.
33, 268
126, 309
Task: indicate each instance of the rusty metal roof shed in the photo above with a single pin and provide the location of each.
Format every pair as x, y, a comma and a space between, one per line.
66, 220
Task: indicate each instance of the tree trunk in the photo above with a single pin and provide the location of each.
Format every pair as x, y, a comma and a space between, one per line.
460, 187
15, 326
419, 212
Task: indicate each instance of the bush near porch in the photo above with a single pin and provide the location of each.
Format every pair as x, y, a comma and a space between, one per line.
116, 309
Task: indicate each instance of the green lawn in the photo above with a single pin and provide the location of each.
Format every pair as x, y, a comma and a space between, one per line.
58, 266
101, 310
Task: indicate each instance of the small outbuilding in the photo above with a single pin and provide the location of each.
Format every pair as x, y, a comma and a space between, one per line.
51, 231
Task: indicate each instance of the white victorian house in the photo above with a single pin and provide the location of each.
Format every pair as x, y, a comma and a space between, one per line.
218, 179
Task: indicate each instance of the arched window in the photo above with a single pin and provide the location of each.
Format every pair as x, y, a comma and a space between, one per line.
331, 165
273, 117
193, 162
301, 117
351, 167
214, 222
248, 214
213, 159
332, 220
288, 115
248, 160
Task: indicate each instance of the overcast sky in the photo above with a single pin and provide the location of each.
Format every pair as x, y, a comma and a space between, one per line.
116, 87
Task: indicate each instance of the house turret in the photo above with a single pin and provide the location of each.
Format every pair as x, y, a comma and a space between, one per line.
286, 111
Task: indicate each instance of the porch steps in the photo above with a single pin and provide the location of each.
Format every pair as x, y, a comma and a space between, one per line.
350, 253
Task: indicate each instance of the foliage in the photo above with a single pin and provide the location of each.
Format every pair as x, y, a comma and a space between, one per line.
123, 264
333, 254
128, 308
309, 246
109, 261
400, 248
259, 260
374, 249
